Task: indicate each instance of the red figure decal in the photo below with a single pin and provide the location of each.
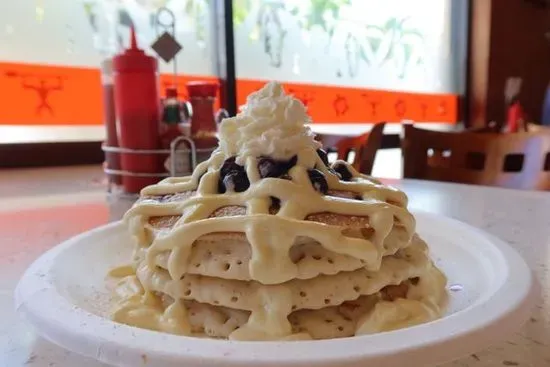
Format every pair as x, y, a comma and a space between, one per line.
400, 108
442, 108
41, 87
304, 97
340, 105
424, 108
372, 102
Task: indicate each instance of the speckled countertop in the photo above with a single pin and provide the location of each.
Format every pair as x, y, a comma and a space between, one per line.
65, 202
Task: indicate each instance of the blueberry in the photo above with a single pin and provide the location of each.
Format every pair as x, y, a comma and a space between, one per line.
323, 155
266, 167
271, 168
275, 202
232, 177
291, 162
221, 187
235, 181
275, 205
342, 169
318, 180
331, 170
229, 165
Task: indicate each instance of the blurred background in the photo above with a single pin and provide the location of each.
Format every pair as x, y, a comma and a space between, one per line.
441, 64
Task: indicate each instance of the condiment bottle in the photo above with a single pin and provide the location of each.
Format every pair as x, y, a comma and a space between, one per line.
171, 117
112, 159
202, 96
138, 110
180, 163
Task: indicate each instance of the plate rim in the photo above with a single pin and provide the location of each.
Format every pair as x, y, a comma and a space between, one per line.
117, 343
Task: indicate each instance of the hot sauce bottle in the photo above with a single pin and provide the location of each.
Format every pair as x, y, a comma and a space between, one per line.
171, 117
202, 96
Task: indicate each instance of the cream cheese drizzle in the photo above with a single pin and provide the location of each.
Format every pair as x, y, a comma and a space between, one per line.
270, 236
270, 305
270, 118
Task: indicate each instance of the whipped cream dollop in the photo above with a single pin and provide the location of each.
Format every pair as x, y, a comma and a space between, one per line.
271, 123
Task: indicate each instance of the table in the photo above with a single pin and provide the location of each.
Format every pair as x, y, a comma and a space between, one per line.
31, 225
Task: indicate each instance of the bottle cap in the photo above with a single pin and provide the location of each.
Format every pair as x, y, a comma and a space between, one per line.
134, 58
202, 89
171, 92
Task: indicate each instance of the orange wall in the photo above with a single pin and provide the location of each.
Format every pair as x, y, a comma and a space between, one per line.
53, 95
329, 104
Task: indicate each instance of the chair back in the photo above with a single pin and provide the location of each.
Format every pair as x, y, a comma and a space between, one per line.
364, 146
515, 160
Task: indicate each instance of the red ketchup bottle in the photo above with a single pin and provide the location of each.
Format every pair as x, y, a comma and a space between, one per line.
138, 114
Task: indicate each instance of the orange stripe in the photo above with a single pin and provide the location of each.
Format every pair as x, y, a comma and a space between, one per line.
56, 95
48, 95
330, 104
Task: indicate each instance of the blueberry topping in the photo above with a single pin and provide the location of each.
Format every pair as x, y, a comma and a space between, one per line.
331, 170
318, 180
221, 186
228, 166
291, 162
232, 177
269, 167
275, 202
323, 155
235, 181
275, 205
343, 170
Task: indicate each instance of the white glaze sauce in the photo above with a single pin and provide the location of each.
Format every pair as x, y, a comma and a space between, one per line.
272, 124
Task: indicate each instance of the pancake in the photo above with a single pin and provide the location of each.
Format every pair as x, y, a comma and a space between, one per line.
212, 253
350, 301
267, 241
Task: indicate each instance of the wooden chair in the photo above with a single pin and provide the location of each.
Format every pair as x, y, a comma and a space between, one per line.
363, 146
520, 160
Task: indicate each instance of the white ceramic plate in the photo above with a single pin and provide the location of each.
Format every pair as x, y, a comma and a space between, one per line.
64, 296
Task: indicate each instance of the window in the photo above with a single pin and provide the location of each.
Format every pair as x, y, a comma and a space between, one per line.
356, 60
52, 51
350, 61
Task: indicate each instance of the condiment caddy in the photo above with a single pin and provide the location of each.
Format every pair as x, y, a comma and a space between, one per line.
156, 137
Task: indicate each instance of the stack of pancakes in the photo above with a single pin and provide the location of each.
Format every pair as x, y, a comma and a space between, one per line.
244, 265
